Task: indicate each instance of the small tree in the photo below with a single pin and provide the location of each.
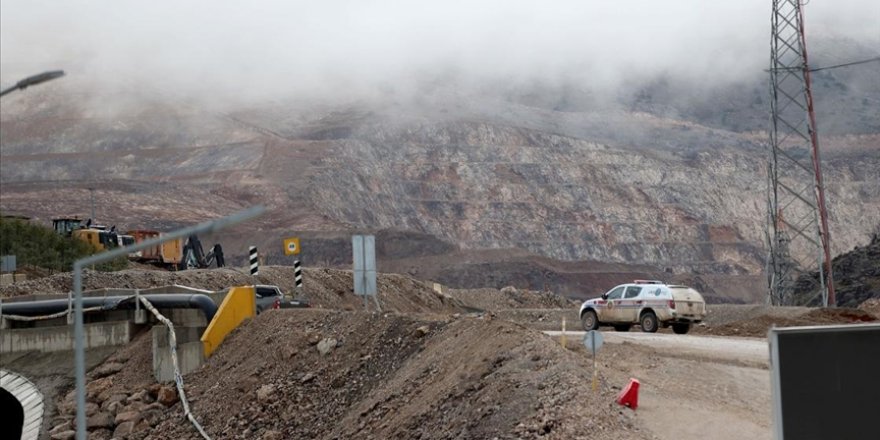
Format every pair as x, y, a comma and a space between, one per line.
40, 246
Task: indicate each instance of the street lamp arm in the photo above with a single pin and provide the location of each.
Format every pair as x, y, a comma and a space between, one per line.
34, 80
9, 89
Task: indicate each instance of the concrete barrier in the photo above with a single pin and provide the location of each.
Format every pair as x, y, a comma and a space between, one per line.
239, 304
60, 338
185, 317
190, 353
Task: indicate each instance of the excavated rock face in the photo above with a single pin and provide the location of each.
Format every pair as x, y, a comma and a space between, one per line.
486, 186
699, 204
613, 186
856, 277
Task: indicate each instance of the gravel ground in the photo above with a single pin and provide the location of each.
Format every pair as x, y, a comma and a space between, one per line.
331, 374
511, 298
428, 369
324, 288
755, 321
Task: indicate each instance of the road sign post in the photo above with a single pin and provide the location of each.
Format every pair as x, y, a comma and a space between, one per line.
593, 341
254, 261
364, 258
292, 247
7, 263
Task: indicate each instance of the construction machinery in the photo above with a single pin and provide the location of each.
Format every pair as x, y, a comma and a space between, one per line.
168, 255
98, 236
173, 255
178, 254
194, 257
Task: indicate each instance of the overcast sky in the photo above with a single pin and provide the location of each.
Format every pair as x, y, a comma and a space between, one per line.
263, 49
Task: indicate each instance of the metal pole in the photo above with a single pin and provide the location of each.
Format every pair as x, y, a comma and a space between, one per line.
33, 80
92, 197
80, 355
78, 332
827, 288
364, 272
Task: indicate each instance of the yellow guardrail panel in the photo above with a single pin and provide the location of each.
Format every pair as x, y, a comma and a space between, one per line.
239, 304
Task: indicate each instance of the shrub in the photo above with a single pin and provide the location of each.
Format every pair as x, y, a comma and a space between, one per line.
40, 246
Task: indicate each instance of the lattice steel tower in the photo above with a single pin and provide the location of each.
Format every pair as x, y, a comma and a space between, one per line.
797, 222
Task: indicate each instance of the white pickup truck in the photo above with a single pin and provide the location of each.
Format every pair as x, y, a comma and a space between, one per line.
650, 304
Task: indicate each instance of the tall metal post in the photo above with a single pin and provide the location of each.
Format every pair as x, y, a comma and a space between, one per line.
797, 220
92, 198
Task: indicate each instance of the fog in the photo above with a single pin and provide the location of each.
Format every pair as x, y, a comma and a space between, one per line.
270, 50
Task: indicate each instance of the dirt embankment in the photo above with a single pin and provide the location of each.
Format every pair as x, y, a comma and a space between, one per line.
756, 320
423, 371
856, 276
330, 374
324, 288
510, 298
871, 306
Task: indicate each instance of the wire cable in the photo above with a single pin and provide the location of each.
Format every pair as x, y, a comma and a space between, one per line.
870, 60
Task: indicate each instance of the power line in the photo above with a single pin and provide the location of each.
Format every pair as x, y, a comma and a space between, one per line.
846, 64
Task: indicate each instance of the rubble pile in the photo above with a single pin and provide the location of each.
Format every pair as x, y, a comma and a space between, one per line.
122, 397
323, 288
756, 321
333, 374
856, 276
511, 298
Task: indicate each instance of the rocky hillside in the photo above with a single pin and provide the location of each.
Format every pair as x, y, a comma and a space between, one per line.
654, 190
856, 276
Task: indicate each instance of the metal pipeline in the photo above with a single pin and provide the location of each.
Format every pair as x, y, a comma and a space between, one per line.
160, 301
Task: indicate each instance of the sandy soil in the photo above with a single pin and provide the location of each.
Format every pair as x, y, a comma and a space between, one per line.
461, 364
694, 388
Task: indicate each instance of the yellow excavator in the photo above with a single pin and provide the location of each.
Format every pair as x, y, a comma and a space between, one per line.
175, 254
98, 236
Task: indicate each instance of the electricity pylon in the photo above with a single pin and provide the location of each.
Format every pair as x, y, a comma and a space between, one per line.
797, 221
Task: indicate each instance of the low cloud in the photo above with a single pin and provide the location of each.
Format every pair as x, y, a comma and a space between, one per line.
270, 50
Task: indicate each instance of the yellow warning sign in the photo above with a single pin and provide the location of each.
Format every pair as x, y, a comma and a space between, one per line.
291, 246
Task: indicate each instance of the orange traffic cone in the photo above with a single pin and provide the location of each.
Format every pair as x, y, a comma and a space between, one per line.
630, 395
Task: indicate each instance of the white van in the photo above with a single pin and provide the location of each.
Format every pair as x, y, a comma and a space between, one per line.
650, 304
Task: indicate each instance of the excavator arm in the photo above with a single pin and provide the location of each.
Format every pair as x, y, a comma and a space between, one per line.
194, 256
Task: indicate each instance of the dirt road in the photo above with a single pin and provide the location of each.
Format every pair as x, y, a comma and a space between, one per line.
747, 351
692, 387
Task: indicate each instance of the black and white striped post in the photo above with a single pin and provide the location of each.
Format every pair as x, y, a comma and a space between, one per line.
297, 274
254, 260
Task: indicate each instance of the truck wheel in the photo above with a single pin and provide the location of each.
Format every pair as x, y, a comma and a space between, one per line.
590, 320
681, 329
648, 322
622, 327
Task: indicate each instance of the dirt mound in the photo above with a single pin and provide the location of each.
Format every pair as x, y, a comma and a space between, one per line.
321, 374
755, 321
117, 386
719, 314
333, 288
856, 276
324, 288
510, 298
841, 315
61, 283
871, 306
